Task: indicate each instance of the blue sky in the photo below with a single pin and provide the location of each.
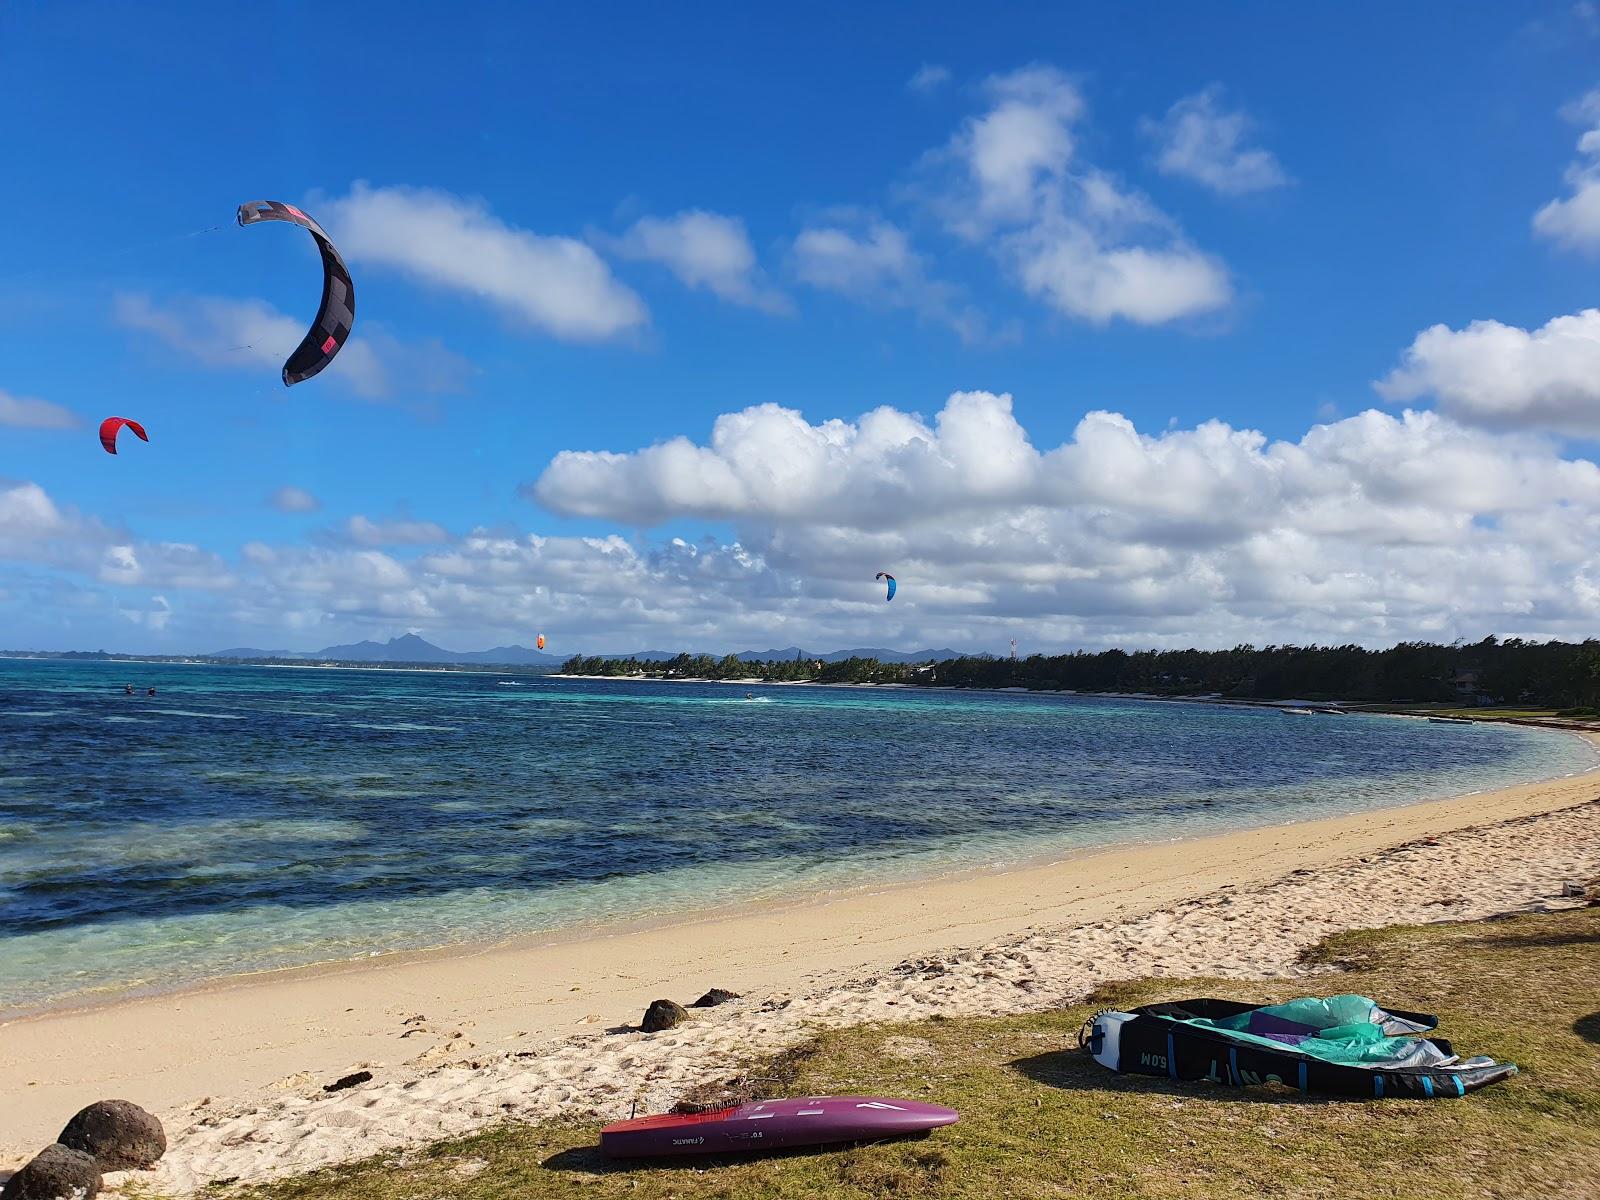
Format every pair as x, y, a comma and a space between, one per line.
575, 233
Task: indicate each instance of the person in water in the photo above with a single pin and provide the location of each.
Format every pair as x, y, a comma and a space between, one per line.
127, 689
150, 691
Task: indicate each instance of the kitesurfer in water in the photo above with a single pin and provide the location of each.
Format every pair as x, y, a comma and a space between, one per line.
127, 689
150, 691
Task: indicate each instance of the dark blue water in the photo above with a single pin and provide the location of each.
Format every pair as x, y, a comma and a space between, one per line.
247, 818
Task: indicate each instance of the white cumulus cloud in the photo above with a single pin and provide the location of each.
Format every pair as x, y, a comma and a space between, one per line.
769, 462
871, 261
290, 499
928, 78
28, 412
364, 531
28, 516
155, 617
1574, 222
175, 565
557, 285
1067, 266
863, 262
704, 250
888, 470
1201, 140
1501, 375
1017, 153
37, 531
1013, 179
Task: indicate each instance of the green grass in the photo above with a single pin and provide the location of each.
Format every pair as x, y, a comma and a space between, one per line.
1038, 1119
1489, 712
1584, 716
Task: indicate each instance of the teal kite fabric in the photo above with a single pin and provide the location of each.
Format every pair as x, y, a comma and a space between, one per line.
1345, 1045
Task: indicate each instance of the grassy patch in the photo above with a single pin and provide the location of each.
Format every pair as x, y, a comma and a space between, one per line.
1489, 712
1038, 1119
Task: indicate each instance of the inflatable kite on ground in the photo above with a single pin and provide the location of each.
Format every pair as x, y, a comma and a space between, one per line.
1335, 1046
337, 314
890, 578
111, 426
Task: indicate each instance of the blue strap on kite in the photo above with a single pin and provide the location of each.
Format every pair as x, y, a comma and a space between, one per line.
1461, 1089
1427, 1086
1303, 1074
1233, 1065
1172, 1057
1377, 1085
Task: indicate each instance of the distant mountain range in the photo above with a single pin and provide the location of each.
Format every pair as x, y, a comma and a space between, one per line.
409, 648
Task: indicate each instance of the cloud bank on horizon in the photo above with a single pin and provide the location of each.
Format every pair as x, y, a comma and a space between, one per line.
694, 507
1354, 532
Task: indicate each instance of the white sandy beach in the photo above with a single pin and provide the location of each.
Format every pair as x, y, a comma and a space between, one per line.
460, 1040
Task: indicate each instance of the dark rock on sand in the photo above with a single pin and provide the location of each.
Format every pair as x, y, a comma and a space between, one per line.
347, 1081
715, 997
663, 1014
56, 1173
117, 1134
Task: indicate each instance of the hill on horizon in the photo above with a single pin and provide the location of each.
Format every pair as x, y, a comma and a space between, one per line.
407, 648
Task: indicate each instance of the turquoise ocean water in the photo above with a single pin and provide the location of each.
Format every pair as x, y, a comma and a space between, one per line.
248, 818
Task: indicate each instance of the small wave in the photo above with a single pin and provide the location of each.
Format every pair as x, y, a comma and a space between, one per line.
185, 712
243, 869
404, 727
124, 720
510, 682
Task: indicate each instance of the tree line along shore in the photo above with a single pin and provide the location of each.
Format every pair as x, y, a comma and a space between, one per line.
1554, 678
1560, 676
